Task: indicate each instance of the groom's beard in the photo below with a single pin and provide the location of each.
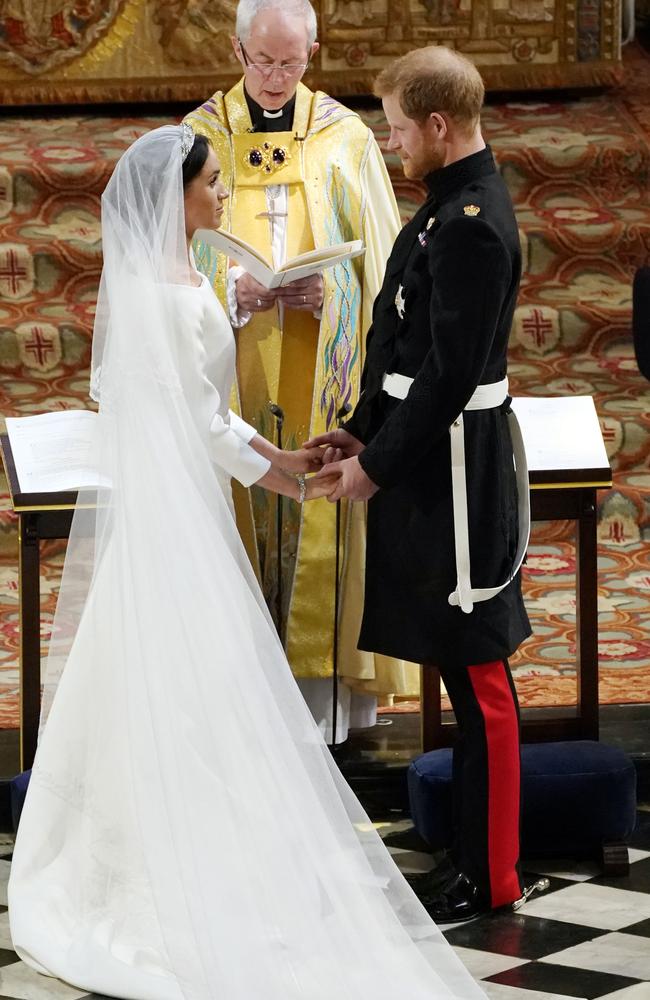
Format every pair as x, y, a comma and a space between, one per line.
423, 161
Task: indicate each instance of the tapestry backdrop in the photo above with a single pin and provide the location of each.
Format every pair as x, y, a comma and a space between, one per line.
70, 51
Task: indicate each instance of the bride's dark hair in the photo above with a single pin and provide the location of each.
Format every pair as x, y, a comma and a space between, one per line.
195, 160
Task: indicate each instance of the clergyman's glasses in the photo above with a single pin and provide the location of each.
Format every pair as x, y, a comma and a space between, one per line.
266, 69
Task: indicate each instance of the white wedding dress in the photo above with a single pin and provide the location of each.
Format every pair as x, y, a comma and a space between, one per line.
186, 834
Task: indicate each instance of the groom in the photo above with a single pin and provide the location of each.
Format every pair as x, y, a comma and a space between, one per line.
434, 386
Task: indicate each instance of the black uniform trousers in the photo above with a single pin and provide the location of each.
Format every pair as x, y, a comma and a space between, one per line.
486, 785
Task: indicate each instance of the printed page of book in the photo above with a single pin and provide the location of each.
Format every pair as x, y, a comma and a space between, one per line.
239, 250
302, 266
51, 450
314, 261
561, 432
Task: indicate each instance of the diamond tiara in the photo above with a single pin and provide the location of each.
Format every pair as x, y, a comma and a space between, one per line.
187, 139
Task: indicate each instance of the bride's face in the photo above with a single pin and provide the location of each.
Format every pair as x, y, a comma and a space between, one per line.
204, 197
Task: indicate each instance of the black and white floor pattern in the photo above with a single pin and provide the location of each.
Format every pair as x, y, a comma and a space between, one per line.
587, 937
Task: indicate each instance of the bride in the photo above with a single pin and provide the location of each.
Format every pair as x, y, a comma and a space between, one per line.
186, 833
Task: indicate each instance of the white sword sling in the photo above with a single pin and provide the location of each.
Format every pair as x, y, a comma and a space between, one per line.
486, 397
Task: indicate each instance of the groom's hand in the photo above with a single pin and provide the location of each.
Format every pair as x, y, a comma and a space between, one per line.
336, 445
353, 482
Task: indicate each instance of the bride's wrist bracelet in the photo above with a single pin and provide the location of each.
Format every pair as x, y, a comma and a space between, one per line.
302, 487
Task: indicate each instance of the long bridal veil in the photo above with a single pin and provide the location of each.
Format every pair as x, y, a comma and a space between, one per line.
187, 834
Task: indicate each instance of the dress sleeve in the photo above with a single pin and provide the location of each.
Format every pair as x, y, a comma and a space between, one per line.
228, 436
245, 431
230, 449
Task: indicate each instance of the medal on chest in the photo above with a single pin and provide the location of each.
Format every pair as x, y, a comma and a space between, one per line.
400, 302
423, 236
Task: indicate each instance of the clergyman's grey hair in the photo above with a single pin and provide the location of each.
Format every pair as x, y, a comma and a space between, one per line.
247, 11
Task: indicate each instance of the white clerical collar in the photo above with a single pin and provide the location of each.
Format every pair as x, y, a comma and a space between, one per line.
273, 114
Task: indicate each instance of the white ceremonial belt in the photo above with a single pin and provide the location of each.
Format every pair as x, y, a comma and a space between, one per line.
486, 397
396, 385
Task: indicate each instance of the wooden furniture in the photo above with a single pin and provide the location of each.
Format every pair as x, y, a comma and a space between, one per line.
41, 516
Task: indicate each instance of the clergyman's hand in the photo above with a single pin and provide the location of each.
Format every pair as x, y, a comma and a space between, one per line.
253, 297
353, 482
305, 294
335, 445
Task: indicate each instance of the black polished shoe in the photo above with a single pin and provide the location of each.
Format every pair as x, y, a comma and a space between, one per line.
428, 885
458, 899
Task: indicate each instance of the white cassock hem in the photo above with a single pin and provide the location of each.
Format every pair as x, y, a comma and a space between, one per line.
355, 710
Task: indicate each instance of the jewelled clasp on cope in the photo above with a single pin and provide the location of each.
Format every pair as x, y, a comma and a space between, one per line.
267, 158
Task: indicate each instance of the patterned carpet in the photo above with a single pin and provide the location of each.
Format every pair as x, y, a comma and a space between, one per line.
579, 173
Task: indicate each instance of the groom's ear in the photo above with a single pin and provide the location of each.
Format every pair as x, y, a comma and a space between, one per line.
438, 124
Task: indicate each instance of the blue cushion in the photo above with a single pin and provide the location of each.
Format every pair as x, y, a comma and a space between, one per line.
575, 796
18, 790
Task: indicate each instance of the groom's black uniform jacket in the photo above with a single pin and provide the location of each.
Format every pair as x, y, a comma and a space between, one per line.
456, 266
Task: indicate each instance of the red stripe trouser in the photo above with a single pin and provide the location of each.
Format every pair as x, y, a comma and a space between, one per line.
486, 788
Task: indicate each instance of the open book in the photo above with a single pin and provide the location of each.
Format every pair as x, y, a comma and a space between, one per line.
302, 266
561, 432
51, 451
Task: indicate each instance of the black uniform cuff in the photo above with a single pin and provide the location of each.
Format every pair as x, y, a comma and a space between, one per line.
371, 467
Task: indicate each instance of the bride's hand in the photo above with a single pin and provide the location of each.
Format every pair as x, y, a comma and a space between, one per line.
301, 460
321, 487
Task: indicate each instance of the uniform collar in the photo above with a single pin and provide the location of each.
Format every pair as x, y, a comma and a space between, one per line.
443, 182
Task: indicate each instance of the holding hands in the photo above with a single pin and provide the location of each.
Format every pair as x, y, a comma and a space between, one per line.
334, 446
335, 459
305, 460
321, 485
287, 465
353, 483
318, 452
340, 452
